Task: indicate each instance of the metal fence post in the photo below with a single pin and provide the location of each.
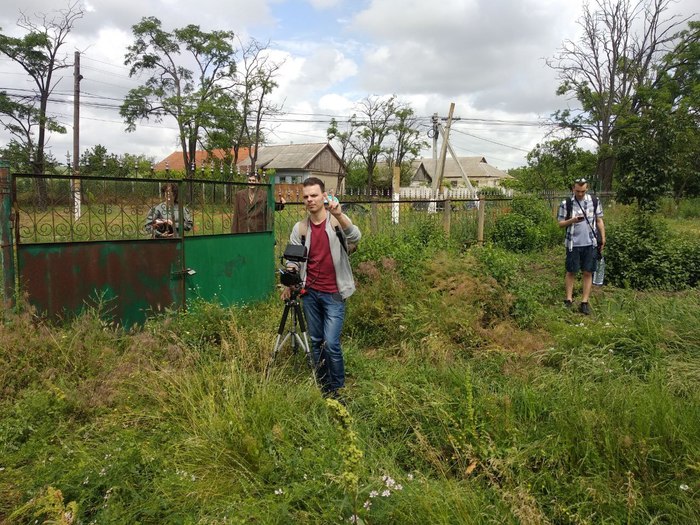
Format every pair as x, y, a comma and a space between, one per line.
482, 215
7, 259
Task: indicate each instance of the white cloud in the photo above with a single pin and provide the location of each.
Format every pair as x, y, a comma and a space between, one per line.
324, 4
484, 55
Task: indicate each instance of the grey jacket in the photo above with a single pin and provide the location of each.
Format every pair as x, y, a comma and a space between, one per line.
163, 211
341, 262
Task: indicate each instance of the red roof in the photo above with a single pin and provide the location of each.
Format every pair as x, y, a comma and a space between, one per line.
174, 160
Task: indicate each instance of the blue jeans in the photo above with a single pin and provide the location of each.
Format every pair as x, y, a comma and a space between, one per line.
325, 313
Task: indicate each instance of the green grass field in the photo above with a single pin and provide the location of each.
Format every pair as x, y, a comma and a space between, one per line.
472, 396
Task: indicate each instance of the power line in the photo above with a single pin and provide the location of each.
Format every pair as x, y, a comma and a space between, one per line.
491, 141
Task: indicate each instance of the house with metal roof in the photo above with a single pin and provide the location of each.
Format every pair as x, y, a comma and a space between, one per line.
477, 171
294, 163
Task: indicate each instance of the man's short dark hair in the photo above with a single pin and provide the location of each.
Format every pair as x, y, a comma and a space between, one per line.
311, 181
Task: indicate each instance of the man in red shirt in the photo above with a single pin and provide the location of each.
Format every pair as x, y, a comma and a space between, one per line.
326, 277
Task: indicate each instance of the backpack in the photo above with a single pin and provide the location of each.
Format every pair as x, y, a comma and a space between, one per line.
349, 247
570, 206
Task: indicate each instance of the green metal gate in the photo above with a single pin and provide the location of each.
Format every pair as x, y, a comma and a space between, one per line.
84, 242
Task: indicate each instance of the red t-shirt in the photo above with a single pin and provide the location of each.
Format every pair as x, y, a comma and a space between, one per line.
320, 272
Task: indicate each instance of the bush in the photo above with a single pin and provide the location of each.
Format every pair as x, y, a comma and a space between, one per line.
684, 209
642, 254
529, 226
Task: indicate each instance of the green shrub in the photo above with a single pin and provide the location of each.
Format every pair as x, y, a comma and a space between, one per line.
529, 226
684, 209
499, 263
642, 254
408, 246
516, 233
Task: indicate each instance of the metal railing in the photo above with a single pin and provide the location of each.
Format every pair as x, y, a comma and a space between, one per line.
75, 209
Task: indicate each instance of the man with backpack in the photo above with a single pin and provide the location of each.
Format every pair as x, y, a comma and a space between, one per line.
582, 216
327, 280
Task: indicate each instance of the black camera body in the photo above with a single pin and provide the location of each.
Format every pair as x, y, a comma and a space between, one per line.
295, 253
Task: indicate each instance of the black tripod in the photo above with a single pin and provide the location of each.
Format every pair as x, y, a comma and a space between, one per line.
298, 338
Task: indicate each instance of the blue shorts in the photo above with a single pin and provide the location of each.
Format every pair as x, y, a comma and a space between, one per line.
581, 258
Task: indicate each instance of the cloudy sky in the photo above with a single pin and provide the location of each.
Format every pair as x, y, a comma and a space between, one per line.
486, 56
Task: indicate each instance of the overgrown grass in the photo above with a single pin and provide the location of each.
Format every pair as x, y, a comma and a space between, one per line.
472, 397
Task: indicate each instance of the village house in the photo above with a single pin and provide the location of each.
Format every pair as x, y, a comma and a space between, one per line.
480, 173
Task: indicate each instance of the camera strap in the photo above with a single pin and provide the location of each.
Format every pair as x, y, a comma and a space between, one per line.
304, 228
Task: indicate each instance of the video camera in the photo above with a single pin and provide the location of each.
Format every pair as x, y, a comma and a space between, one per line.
295, 253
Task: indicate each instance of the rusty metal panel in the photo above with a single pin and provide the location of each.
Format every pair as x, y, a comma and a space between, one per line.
231, 269
131, 279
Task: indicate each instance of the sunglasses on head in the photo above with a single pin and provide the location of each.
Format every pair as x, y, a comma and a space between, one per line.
580, 181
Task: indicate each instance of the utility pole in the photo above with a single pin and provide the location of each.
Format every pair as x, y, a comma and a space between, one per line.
437, 179
75, 183
436, 132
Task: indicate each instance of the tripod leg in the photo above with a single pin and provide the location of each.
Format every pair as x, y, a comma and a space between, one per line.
304, 341
280, 341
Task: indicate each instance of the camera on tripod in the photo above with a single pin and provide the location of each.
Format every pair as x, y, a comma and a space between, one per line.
294, 253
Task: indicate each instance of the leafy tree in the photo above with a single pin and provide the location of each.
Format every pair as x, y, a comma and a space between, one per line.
19, 117
659, 148
347, 153
258, 83
408, 144
553, 165
372, 125
18, 157
189, 96
621, 43
38, 52
236, 121
99, 162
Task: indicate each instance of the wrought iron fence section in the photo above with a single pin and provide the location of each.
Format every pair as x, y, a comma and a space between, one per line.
62, 209
211, 205
52, 209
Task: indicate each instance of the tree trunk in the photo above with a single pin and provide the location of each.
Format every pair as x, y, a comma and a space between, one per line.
604, 172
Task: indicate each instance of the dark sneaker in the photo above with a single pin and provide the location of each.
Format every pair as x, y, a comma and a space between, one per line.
585, 309
567, 303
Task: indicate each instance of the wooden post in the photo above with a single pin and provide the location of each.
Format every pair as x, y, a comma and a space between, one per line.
482, 214
396, 189
447, 216
373, 216
75, 183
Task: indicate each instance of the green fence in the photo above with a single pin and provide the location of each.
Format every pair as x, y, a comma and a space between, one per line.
80, 241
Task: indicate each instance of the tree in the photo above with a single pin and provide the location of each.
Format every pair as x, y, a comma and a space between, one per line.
659, 148
407, 141
254, 87
347, 153
237, 118
621, 43
554, 164
189, 96
371, 131
19, 117
38, 52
